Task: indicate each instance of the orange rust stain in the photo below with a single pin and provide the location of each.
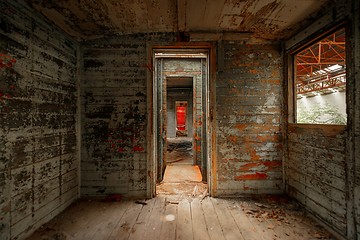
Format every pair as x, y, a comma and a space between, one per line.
254, 155
198, 148
241, 127
272, 164
197, 137
268, 127
268, 164
254, 71
267, 138
248, 166
275, 73
253, 176
276, 81
252, 152
233, 139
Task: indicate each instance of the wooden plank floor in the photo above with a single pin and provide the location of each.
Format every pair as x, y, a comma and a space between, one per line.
168, 217
182, 210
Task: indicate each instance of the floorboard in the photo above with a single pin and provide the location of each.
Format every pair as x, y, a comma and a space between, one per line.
184, 228
198, 220
212, 221
125, 225
156, 219
227, 222
248, 231
182, 210
168, 230
142, 222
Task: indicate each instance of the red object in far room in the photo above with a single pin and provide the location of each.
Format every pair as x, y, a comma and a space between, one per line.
180, 118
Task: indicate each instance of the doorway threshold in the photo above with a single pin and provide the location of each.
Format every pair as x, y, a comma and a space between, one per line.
182, 181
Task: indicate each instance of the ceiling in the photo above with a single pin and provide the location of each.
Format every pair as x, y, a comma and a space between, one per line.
179, 82
268, 19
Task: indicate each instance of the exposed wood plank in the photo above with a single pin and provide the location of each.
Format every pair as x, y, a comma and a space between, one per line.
260, 227
198, 221
247, 229
80, 218
192, 219
228, 225
126, 223
298, 224
142, 220
155, 222
212, 222
168, 228
108, 220
184, 224
278, 228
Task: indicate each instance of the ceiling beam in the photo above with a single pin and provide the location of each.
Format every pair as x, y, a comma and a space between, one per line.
216, 36
181, 15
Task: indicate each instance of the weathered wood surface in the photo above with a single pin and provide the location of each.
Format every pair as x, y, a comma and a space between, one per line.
316, 171
267, 217
250, 119
38, 119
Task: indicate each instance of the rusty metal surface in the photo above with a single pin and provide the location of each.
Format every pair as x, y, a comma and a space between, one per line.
270, 19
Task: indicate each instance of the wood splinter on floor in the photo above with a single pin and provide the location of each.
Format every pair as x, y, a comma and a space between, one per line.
141, 202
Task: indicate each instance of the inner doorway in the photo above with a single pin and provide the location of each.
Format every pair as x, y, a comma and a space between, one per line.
181, 101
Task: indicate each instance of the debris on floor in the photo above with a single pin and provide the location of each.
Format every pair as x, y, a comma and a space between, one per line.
141, 202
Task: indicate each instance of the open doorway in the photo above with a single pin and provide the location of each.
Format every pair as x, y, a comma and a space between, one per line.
180, 121
180, 100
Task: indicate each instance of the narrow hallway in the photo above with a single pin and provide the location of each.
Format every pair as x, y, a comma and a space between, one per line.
181, 178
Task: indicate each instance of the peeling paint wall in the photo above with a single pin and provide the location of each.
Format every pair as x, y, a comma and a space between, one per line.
316, 171
38, 99
249, 119
114, 112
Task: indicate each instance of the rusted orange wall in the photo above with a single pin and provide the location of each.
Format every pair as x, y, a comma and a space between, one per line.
249, 119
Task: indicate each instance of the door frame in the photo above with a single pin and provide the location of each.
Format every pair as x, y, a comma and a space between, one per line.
152, 106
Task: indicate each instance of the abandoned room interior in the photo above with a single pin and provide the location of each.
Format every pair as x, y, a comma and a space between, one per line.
180, 119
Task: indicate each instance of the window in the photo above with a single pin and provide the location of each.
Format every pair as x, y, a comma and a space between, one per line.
320, 81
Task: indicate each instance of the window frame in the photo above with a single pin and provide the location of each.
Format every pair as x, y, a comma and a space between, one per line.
290, 69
